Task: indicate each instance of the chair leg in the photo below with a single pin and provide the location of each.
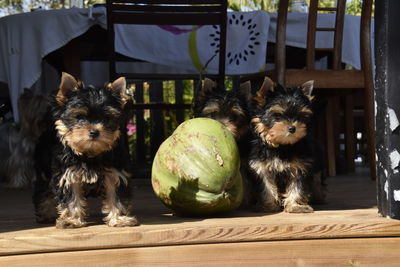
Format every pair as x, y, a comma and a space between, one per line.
330, 139
335, 117
349, 132
157, 135
369, 118
140, 127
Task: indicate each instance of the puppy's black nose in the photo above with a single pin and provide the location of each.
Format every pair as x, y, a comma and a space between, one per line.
292, 129
94, 133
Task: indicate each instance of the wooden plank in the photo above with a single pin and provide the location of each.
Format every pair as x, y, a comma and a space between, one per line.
116, 7
325, 29
161, 105
327, 9
350, 212
171, 2
170, 230
326, 78
342, 252
172, 18
164, 76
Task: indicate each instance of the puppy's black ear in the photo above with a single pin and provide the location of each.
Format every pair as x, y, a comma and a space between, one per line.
307, 89
68, 83
208, 87
118, 87
27, 93
245, 91
207, 90
268, 85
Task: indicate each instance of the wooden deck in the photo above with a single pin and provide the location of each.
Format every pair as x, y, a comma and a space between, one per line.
347, 231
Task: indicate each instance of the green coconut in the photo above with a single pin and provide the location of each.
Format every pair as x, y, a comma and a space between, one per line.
196, 170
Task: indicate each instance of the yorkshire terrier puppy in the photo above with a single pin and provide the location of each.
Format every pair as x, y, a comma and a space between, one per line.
18, 141
82, 155
285, 160
231, 108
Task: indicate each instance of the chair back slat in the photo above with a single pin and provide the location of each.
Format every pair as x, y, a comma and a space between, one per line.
169, 8
280, 48
337, 30
311, 34
329, 9
171, 2
325, 29
365, 37
165, 18
338, 39
312, 30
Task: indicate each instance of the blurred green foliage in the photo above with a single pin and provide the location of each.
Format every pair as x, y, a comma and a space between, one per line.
353, 6
8, 7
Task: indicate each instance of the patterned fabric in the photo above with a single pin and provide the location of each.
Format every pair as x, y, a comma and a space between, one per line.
191, 47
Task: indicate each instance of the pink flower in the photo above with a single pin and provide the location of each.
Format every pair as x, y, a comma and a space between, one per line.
131, 128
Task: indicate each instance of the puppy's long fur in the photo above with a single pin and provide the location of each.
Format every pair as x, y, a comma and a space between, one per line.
231, 108
18, 141
82, 155
285, 160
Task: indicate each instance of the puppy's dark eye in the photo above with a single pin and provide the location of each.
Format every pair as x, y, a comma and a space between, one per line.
80, 117
112, 113
304, 117
234, 117
278, 116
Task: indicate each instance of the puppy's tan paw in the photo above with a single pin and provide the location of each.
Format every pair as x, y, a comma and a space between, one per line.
297, 208
123, 221
70, 223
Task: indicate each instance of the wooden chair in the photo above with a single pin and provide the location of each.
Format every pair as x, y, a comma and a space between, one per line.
167, 12
163, 12
336, 80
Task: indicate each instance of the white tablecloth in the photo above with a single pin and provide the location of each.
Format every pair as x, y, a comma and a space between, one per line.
190, 47
26, 38
296, 34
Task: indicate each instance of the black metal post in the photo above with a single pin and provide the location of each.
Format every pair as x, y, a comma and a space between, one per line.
387, 81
